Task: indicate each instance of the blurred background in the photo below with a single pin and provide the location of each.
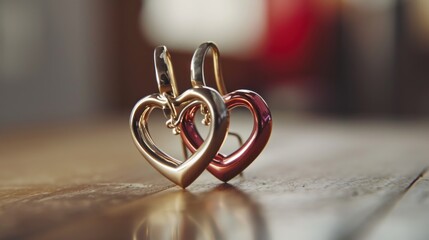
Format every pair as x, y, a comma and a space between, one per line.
72, 60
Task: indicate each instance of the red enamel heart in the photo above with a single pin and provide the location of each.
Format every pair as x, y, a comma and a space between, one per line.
226, 167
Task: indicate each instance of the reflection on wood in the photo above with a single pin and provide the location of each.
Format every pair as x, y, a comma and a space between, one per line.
315, 180
223, 212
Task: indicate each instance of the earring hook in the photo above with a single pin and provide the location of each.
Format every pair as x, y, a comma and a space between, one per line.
166, 84
197, 67
164, 72
197, 78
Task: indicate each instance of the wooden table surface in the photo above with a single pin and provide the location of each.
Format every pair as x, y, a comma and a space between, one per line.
316, 179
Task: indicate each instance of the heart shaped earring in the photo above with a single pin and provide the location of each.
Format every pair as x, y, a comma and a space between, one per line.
175, 107
226, 167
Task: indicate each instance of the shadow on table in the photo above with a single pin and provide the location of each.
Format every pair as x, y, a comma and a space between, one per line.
222, 213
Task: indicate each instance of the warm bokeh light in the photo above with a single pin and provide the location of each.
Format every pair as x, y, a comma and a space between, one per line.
73, 60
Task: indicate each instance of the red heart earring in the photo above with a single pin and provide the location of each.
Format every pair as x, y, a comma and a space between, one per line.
226, 167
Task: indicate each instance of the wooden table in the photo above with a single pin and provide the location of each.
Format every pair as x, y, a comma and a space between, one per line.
316, 179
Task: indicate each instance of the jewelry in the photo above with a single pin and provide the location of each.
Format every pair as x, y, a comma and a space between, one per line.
175, 107
226, 167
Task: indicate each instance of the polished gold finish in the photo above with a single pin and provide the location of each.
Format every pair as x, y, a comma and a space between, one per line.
175, 107
197, 70
165, 72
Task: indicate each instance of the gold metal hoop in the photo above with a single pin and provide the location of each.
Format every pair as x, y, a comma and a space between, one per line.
197, 67
164, 72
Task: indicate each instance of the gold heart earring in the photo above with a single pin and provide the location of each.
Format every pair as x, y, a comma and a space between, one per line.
175, 107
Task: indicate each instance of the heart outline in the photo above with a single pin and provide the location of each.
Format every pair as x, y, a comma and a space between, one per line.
185, 173
226, 167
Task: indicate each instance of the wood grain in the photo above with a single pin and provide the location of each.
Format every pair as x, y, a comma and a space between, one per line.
316, 179
409, 217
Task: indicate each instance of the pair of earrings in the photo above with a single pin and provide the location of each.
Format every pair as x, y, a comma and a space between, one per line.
180, 109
